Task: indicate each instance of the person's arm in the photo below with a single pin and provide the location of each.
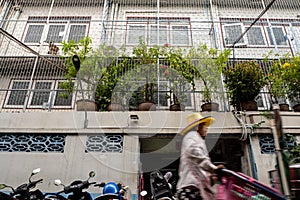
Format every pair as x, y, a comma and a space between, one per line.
199, 155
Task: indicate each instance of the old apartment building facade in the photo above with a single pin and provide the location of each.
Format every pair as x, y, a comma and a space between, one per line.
39, 128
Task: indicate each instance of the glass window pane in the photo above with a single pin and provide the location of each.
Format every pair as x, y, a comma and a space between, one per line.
17, 97
163, 35
180, 35
61, 101
278, 34
77, 32
53, 33
136, 33
255, 36
232, 33
41, 93
34, 34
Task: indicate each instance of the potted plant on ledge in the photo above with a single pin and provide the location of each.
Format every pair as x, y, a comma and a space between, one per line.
209, 63
291, 77
94, 66
276, 85
244, 81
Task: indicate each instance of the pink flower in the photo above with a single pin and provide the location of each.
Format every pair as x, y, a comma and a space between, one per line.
164, 66
166, 72
166, 45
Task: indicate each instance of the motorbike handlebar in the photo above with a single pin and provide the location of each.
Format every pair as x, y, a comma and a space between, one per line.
77, 187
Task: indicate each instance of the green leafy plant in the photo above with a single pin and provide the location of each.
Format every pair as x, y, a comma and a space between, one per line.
69, 49
180, 72
209, 63
291, 76
276, 84
244, 80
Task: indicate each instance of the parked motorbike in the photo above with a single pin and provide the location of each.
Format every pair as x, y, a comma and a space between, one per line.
161, 187
24, 191
111, 191
75, 188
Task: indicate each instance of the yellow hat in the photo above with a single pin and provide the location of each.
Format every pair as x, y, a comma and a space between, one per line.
195, 119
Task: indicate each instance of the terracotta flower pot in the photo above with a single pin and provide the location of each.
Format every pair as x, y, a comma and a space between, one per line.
210, 107
177, 107
89, 104
296, 107
147, 106
284, 107
249, 106
115, 107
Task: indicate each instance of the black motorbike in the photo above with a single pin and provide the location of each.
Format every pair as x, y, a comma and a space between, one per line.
24, 191
75, 190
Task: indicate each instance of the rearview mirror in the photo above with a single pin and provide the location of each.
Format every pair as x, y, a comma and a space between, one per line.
2, 186
143, 193
57, 182
92, 174
35, 171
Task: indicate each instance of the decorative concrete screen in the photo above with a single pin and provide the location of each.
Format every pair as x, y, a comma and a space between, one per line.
32, 143
105, 143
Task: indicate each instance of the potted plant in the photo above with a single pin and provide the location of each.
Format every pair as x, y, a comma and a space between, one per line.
94, 64
179, 71
81, 49
209, 63
276, 84
144, 66
243, 81
291, 76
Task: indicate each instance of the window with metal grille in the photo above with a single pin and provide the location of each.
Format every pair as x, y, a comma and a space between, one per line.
32, 143
34, 34
59, 29
259, 35
278, 36
62, 98
17, 93
174, 31
255, 36
232, 33
42, 93
104, 143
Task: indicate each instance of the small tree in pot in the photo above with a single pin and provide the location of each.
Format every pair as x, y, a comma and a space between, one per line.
209, 63
243, 81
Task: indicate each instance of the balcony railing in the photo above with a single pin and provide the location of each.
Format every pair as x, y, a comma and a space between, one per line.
32, 84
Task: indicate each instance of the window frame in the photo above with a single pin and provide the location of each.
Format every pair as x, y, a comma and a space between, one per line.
7, 97
67, 22
241, 24
270, 39
73, 95
171, 36
148, 22
265, 40
54, 88
33, 91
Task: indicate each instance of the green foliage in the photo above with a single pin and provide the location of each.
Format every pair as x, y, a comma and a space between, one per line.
69, 49
276, 84
291, 76
209, 63
244, 81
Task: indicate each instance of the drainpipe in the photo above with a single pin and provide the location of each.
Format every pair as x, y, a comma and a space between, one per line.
247, 136
4, 13
104, 20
